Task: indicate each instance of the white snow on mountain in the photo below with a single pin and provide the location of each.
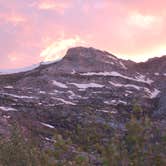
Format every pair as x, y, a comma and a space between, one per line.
25, 69
19, 96
59, 84
139, 78
64, 101
123, 66
156, 74
125, 85
4, 108
143, 78
111, 57
154, 94
9, 87
115, 102
88, 85
47, 125
50, 62
19, 70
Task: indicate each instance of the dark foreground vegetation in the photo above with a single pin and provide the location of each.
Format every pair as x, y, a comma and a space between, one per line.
140, 144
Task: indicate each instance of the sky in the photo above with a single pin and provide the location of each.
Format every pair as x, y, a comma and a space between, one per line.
32, 31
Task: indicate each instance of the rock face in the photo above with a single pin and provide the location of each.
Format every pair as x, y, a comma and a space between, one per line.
86, 84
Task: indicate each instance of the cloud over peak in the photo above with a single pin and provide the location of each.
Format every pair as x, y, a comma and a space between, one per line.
57, 49
37, 30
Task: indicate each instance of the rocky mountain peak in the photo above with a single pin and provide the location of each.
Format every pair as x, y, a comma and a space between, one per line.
88, 52
81, 59
85, 82
153, 65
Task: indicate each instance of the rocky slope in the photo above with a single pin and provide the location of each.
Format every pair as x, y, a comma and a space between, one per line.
87, 84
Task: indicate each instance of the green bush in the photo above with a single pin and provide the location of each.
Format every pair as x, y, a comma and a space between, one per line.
17, 151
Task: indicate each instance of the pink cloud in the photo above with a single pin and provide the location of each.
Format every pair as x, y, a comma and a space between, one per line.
12, 17
59, 7
129, 29
145, 7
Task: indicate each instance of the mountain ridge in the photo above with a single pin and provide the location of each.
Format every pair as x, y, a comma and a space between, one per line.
79, 88
78, 50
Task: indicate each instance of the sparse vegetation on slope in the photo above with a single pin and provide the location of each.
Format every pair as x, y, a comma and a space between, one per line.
140, 144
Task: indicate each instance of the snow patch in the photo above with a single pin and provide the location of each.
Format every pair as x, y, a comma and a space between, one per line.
125, 85
143, 78
25, 69
49, 139
156, 74
74, 96
139, 78
6, 116
21, 97
105, 111
122, 65
112, 63
130, 92
42, 92
96, 74
73, 72
7, 108
50, 62
19, 70
111, 57
154, 94
88, 85
64, 101
47, 125
114, 102
8, 87
59, 84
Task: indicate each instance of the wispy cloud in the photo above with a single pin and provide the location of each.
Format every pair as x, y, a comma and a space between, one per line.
12, 17
143, 21
58, 6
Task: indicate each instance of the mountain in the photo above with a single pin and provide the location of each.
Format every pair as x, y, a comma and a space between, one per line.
87, 84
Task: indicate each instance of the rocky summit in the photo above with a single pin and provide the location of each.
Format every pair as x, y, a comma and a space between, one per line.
87, 84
